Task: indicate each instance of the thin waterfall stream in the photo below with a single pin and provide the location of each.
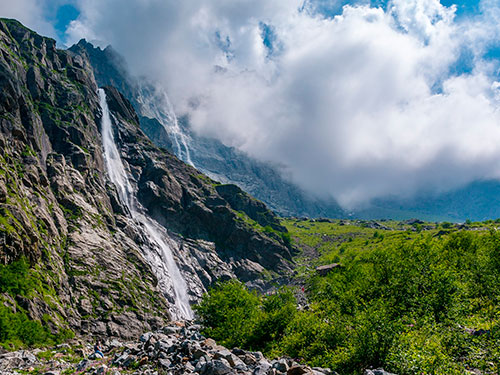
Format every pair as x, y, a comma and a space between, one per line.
157, 105
161, 259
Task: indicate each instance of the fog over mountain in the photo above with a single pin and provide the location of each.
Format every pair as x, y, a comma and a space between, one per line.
362, 102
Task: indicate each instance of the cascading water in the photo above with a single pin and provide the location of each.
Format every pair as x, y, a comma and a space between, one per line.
161, 258
157, 105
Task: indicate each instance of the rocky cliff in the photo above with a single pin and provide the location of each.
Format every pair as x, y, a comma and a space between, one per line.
59, 210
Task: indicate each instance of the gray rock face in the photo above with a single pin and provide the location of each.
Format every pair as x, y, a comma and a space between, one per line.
20, 359
59, 210
186, 202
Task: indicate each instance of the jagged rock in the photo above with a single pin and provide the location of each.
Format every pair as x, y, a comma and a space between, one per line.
298, 370
19, 359
261, 369
281, 365
378, 371
82, 365
321, 370
216, 367
165, 363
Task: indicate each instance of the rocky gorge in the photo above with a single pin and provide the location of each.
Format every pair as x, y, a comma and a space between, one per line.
60, 211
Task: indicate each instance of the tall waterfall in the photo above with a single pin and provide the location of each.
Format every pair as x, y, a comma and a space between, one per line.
159, 255
156, 104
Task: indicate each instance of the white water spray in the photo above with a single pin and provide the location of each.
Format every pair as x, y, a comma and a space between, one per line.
157, 105
161, 259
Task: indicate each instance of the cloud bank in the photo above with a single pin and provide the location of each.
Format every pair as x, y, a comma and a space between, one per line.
29, 12
367, 103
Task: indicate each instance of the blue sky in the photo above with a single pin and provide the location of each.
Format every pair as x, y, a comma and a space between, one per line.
62, 15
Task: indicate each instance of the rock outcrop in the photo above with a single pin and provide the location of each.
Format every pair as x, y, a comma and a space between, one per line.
59, 210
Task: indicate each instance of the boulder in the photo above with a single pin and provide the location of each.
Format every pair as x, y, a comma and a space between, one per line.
326, 269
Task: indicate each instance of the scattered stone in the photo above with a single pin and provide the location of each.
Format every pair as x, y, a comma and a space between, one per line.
82, 365
165, 363
173, 350
281, 365
216, 367
101, 370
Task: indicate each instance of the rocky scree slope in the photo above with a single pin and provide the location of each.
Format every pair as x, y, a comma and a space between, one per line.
59, 210
178, 348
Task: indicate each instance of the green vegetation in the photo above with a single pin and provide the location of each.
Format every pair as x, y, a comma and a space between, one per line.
268, 230
420, 298
17, 281
235, 316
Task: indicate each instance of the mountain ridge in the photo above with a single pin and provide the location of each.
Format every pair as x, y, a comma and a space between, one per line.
60, 211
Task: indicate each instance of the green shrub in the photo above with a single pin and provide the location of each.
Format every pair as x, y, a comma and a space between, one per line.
16, 329
15, 278
229, 313
408, 306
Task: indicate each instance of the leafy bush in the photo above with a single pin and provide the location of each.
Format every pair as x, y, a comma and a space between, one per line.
408, 306
16, 329
15, 278
229, 313
235, 316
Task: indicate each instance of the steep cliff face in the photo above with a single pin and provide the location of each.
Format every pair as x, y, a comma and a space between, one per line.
191, 205
55, 207
59, 210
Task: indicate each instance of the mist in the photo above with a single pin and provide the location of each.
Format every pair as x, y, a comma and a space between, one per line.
361, 104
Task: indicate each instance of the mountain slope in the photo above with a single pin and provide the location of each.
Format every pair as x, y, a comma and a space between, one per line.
59, 210
477, 201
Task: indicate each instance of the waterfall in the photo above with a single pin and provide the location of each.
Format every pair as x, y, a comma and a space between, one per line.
160, 258
157, 105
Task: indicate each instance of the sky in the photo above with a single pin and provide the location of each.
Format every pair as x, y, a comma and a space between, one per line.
352, 99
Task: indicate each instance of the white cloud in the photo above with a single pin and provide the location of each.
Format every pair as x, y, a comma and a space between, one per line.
31, 13
357, 106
